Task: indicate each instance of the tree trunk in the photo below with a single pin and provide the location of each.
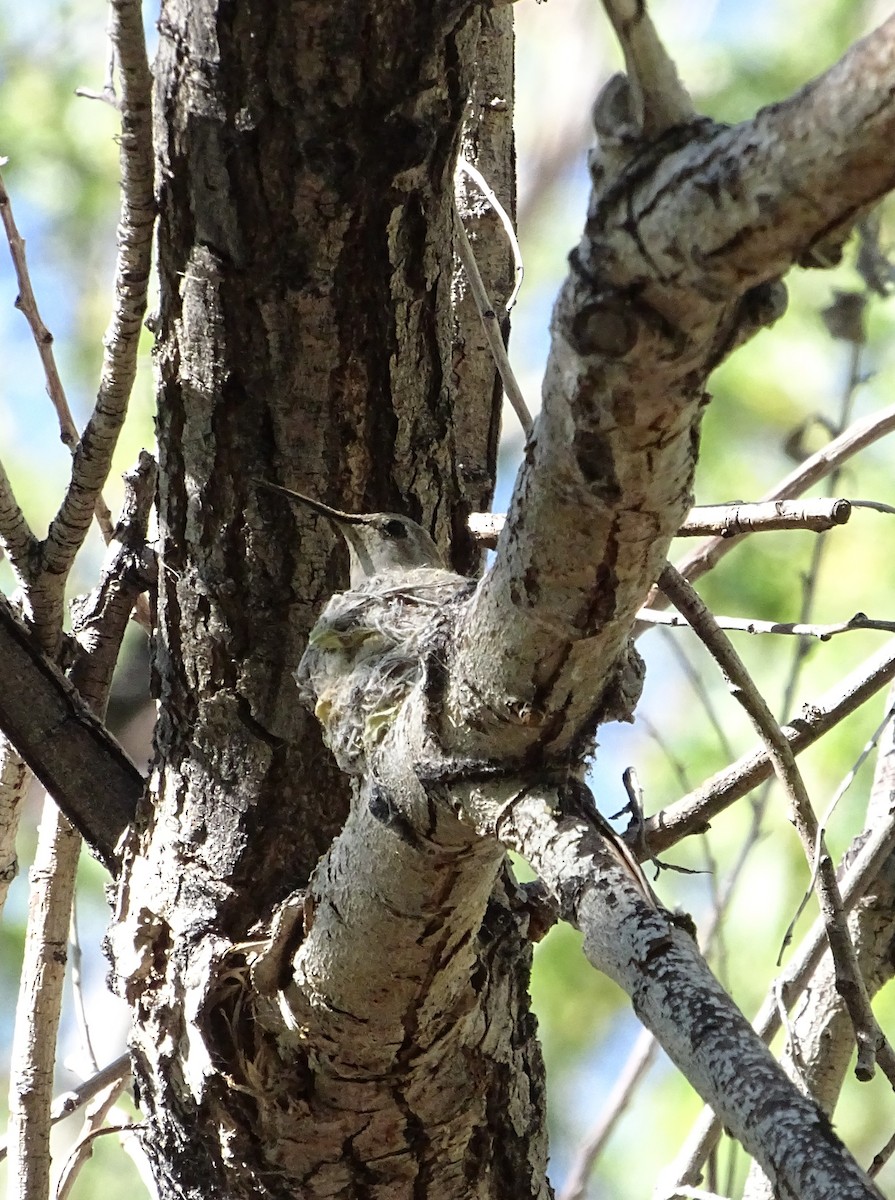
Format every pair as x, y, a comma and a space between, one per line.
307, 335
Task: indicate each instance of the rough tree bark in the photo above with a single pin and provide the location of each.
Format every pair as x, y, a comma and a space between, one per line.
307, 335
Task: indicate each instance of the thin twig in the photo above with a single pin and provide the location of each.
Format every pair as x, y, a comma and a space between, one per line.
867, 750
77, 990
822, 633
882, 1157
726, 520
506, 221
491, 325
108, 95
872, 1045
692, 813
26, 303
94, 1126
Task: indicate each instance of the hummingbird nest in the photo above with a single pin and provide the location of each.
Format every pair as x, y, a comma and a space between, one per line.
367, 651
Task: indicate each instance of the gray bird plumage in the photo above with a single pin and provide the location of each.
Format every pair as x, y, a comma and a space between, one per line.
377, 542
367, 649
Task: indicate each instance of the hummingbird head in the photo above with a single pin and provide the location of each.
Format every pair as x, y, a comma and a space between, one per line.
377, 542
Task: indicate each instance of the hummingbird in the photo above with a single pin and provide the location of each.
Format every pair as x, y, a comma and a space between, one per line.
378, 543
367, 649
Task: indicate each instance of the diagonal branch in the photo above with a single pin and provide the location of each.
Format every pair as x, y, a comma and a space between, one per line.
93, 454
677, 266
26, 302
692, 813
73, 755
872, 1044
673, 992
867, 857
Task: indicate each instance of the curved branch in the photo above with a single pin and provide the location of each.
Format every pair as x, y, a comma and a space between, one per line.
677, 266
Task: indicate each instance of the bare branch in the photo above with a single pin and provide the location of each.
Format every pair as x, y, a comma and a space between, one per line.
881, 1157
21, 546
76, 759
731, 520
27, 305
674, 993
870, 1039
650, 616
726, 520
33, 1056
93, 1126
692, 813
857, 437
93, 454
869, 852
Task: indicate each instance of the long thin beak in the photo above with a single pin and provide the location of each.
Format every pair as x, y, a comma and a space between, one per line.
334, 514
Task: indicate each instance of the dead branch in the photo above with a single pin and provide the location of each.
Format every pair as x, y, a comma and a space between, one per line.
725, 520
857, 437
823, 633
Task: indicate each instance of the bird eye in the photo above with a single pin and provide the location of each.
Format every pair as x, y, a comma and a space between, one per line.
395, 529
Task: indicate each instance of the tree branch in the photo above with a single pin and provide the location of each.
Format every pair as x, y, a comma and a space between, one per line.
692, 813
651, 616
677, 266
872, 1044
73, 755
867, 855
857, 437
725, 520
673, 992
93, 453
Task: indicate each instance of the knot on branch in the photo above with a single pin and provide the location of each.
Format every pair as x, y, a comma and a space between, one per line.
607, 326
